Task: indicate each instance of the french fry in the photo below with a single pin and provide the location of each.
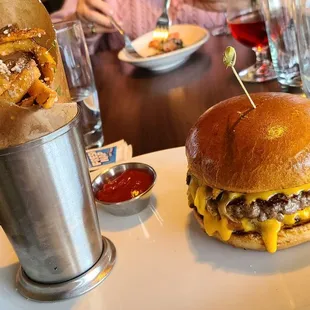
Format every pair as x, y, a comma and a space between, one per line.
28, 102
20, 86
47, 63
5, 82
11, 34
45, 60
9, 71
20, 74
44, 96
10, 27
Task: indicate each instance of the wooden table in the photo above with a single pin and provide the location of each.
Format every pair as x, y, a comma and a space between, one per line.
155, 111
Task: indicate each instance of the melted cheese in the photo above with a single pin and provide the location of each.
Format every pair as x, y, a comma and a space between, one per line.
268, 229
289, 219
247, 225
302, 215
193, 187
200, 199
213, 224
216, 192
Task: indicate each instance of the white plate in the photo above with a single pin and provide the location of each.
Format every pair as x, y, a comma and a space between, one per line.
193, 37
166, 262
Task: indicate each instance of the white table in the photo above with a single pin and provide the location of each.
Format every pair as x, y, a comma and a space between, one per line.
165, 261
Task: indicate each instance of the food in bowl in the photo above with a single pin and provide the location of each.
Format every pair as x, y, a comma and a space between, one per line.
248, 171
26, 69
125, 186
172, 43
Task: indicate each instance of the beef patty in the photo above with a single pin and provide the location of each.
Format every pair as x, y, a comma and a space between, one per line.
274, 208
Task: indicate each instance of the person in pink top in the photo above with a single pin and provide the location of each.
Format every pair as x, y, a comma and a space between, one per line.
136, 16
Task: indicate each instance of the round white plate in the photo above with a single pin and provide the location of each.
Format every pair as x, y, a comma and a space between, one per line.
166, 262
193, 37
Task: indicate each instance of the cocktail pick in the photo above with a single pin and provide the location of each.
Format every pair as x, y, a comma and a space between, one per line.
229, 60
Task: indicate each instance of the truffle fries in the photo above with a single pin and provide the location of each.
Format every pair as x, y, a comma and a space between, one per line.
26, 69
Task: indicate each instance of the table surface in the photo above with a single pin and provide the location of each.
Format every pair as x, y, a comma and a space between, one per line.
165, 261
155, 111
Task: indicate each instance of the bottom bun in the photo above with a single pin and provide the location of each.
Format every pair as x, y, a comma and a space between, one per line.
287, 237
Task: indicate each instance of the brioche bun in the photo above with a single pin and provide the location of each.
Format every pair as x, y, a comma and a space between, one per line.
240, 149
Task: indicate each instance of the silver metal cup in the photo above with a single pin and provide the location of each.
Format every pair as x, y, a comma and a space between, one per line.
47, 208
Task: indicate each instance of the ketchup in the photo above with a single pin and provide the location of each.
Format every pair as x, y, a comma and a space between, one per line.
125, 186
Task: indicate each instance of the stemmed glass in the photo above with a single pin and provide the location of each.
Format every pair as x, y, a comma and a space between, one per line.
247, 25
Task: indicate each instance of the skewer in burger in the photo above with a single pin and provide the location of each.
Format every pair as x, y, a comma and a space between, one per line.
249, 171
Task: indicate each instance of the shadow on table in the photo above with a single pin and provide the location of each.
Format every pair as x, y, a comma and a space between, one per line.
7, 278
109, 222
13, 300
221, 256
187, 73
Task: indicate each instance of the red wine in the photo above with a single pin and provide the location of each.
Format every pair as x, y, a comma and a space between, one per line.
249, 29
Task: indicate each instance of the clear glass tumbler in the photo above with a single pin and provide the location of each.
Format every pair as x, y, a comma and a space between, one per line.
281, 30
302, 17
80, 77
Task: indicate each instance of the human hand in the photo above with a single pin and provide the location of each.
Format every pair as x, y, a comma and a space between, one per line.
94, 15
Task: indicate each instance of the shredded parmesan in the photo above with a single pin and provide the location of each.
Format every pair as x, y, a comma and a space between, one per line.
19, 65
12, 92
4, 69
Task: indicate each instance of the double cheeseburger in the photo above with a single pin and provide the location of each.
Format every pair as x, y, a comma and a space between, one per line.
249, 171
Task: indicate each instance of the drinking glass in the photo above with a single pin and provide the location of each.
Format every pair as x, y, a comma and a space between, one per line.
80, 77
221, 30
281, 32
302, 17
247, 26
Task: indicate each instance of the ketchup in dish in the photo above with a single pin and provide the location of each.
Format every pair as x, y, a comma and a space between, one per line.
125, 186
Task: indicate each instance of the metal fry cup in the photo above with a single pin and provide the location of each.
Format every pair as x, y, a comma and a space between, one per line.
47, 211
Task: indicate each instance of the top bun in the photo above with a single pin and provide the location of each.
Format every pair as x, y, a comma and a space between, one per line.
237, 148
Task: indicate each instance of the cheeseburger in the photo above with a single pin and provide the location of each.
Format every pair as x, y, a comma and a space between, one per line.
249, 171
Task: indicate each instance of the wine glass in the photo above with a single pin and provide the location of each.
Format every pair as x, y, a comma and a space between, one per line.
247, 25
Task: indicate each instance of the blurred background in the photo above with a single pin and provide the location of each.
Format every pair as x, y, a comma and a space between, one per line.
52, 5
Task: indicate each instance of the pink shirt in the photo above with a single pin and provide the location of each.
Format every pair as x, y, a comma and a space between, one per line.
140, 16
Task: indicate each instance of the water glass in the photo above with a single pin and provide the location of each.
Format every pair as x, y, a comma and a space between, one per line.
91, 121
80, 77
302, 17
281, 30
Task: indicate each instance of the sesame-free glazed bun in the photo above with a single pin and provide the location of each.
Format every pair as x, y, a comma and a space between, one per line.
287, 237
237, 148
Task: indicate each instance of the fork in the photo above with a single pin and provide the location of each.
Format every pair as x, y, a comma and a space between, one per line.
163, 23
128, 44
